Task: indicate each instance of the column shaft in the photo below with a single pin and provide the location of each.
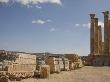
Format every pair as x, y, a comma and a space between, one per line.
106, 35
109, 34
96, 37
100, 39
92, 31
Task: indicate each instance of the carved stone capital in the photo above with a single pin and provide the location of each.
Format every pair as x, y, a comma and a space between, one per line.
106, 13
92, 16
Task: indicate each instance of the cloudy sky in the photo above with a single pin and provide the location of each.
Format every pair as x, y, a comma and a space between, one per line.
56, 26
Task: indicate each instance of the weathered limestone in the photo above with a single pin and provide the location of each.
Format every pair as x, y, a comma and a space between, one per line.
44, 71
25, 58
102, 61
106, 33
61, 63
75, 61
21, 65
53, 62
100, 40
109, 35
100, 51
92, 35
96, 40
95, 36
102, 48
66, 64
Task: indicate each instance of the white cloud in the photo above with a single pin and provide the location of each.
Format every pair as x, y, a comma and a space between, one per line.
86, 25
48, 20
25, 2
29, 6
77, 25
52, 29
39, 21
39, 7
28, 2
4, 1
33, 6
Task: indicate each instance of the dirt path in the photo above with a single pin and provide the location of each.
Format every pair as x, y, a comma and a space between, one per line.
85, 74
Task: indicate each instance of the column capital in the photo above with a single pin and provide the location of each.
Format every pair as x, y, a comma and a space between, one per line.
106, 13
92, 16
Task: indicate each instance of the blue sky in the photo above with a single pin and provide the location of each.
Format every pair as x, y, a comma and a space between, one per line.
56, 26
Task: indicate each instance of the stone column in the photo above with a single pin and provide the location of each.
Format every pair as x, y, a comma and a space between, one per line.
96, 37
102, 48
100, 39
106, 35
109, 34
92, 31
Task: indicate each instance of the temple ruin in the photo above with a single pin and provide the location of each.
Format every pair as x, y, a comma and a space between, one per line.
99, 50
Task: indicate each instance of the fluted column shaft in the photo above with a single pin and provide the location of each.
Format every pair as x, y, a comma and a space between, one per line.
100, 39
92, 34
96, 37
109, 34
106, 33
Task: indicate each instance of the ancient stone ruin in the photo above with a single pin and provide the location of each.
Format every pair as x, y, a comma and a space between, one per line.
99, 50
15, 66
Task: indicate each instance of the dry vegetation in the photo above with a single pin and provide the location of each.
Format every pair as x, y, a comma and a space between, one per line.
85, 74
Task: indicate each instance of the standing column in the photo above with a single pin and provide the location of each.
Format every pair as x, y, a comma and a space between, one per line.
106, 35
109, 34
96, 37
92, 35
100, 39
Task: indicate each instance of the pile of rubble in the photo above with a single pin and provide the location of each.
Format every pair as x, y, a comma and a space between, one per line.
75, 61
20, 65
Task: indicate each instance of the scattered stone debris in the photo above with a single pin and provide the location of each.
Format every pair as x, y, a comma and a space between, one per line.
16, 66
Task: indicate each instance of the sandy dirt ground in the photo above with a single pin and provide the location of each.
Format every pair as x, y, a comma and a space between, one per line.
85, 74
